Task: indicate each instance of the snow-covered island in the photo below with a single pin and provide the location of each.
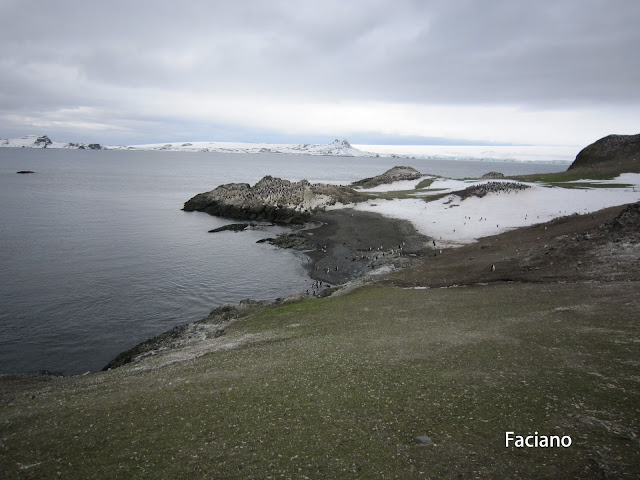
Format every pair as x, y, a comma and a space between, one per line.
43, 141
340, 148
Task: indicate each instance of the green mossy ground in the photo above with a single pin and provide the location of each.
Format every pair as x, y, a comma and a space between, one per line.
340, 387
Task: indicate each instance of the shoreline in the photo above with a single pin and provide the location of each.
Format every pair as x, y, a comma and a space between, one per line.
357, 243
342, 247
347, 244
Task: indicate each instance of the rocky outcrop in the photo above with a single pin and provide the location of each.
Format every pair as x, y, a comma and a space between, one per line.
271, 199
493, 175
211, 327
233, 227
392, 175
627, 221
82, 146
614, 152
491, 187
42, 141
294, 240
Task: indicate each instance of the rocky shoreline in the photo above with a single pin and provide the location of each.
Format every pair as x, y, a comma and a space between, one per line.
271, 199
342, 244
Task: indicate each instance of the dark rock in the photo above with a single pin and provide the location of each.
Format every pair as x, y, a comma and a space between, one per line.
627, 220
294, 240
234, 227
43, 141
392, 175
490, 187
25, 171
621, 151
271, 199
94, 146
493, 175
49, 373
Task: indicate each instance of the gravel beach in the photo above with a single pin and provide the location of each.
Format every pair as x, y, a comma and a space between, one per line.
350, 243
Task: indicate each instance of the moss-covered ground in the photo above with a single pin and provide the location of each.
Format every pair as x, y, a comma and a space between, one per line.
340, 387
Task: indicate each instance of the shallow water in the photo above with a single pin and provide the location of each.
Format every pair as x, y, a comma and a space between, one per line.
97, 256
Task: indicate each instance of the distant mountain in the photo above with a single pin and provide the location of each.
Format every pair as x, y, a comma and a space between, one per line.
43, 141
340, 148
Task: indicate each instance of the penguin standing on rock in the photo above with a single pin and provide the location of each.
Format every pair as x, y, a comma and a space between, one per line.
493, 268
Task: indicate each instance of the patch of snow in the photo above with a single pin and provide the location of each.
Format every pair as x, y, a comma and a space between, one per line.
628, 178
39, 141
453, 221
336, 148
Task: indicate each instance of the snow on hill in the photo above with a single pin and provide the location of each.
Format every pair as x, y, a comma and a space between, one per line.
43, 141
340, 148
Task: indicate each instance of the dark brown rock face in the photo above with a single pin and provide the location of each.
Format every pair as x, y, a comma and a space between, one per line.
613, 151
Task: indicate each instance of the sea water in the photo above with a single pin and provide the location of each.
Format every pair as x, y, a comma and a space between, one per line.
96, 254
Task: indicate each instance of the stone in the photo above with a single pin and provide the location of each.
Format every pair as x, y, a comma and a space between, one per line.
423, 440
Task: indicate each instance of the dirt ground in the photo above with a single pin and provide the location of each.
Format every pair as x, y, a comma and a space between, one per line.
576, 248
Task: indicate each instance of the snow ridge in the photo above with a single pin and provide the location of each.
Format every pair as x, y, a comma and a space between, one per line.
43, 141
341, 148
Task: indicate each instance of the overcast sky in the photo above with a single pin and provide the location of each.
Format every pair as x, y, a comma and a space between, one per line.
557, 72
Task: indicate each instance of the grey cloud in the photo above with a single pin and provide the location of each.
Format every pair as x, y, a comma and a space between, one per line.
469, 51
515, 52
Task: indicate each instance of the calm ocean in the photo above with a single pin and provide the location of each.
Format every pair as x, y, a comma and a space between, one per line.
97, 256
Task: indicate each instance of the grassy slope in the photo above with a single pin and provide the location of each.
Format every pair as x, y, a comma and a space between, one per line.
340, 387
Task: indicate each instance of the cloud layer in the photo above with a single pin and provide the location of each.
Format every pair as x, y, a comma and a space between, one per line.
496, 70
